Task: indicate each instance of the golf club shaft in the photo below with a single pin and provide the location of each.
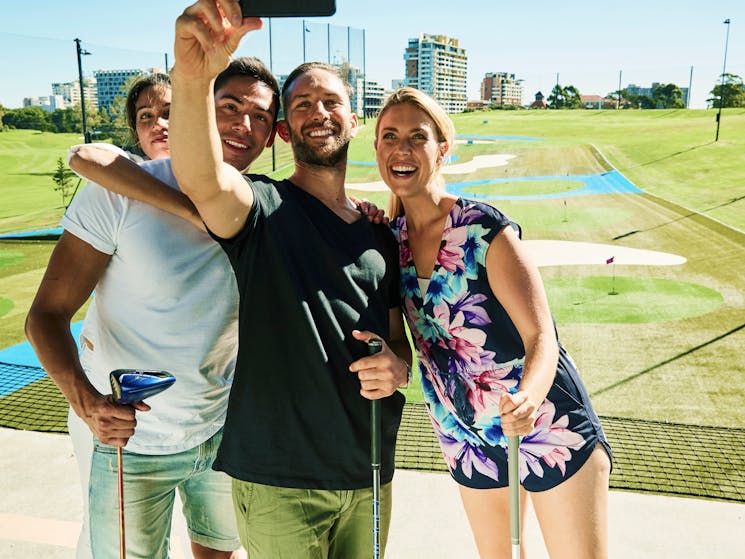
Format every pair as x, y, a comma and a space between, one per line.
374, 346
513, 452
122, 546
375, 463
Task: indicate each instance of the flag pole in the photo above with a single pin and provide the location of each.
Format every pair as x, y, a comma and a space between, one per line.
612, 260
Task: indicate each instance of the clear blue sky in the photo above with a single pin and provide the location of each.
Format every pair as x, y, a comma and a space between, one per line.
587, 43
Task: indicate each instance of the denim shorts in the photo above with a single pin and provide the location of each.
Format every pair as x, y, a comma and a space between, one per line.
288, 523
150, 483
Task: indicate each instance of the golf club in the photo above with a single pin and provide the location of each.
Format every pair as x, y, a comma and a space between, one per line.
127, 387
375, 345
513, 473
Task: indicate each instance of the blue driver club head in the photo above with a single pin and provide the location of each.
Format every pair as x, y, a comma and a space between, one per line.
133, 385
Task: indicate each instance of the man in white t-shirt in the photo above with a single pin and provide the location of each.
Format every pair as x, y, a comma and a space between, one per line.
165, 299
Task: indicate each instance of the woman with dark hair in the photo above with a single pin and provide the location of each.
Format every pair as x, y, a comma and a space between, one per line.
148, 107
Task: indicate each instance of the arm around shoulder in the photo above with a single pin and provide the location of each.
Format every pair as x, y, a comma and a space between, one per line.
115, 171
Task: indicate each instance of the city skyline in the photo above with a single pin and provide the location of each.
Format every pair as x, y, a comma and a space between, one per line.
590, 48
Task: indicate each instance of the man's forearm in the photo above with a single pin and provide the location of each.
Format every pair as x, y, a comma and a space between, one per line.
55, 347
194, 140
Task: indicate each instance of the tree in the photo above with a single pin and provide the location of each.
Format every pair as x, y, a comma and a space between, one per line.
63, 180
668, 96
113, 123
29, 118
573, 99
732, 92
66, 120
637, 101
564, 97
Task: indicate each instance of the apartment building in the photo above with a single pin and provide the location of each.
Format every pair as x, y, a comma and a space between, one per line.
436, 65
501, 88
374, 95
113, 83
48, 103
70, 93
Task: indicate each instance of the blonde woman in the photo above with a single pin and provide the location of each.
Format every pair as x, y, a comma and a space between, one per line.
490, 361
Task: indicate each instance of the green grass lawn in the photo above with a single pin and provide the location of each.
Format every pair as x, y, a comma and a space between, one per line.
667, 347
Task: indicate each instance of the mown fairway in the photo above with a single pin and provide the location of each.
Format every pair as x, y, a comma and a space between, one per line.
668, 347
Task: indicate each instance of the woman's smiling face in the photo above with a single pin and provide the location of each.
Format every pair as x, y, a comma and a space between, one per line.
408, 150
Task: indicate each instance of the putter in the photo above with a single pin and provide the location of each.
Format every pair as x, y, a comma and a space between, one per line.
127, 387
513, 473
375, 345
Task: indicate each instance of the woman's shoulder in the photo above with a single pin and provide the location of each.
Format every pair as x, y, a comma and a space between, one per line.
473, 211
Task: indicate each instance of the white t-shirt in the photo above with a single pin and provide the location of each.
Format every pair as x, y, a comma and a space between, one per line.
166, 301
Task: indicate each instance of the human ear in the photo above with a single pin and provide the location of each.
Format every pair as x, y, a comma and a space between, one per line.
283, 130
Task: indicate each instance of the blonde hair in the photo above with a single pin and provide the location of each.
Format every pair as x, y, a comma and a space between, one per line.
444, 127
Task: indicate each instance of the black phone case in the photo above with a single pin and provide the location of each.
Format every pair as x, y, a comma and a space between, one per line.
287, 8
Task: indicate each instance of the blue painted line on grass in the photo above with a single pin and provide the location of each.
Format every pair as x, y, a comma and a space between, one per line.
39, 233
611, 182
23, 354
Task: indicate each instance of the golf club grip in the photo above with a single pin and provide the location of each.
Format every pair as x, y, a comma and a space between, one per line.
513, 472
375, 345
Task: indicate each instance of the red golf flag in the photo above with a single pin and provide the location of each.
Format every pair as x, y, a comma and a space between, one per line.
610, 260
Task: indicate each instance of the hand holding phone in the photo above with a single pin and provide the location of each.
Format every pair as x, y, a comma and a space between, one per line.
287, 8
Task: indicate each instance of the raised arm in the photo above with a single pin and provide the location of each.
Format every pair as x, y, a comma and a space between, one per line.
207, 35
517, 284
109, 167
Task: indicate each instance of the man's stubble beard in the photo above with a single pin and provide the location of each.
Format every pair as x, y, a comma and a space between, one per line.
333, 158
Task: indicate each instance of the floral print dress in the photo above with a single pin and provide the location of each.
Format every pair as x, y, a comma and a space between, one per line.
470, 352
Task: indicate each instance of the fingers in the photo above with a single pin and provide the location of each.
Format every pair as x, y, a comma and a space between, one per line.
370, 210
212, 22
113, 424
380, 374
518, 413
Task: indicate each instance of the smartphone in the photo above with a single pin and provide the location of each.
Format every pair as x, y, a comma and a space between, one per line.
287, 8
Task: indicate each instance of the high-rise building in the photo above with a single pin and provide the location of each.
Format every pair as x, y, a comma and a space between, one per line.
436, 65
113, 83
48, 103
373, 94
70, 92
501, 89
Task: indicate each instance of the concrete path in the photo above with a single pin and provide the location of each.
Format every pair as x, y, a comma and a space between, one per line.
40, 514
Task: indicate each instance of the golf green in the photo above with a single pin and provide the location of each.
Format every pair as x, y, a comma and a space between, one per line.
627, 300
5, 305
8, 257
555, 216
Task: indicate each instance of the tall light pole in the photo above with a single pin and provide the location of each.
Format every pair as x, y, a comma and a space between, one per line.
82, 52
721, 90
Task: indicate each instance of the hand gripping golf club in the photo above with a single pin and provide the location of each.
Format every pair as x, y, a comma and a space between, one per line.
513, 473
375, 345
127, 387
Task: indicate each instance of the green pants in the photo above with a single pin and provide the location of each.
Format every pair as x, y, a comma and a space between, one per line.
287, 523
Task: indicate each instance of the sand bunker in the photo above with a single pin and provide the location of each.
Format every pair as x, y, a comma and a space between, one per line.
569, 253
478, 162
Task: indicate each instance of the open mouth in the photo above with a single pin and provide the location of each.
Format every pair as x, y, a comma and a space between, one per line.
401, 170
235, 144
